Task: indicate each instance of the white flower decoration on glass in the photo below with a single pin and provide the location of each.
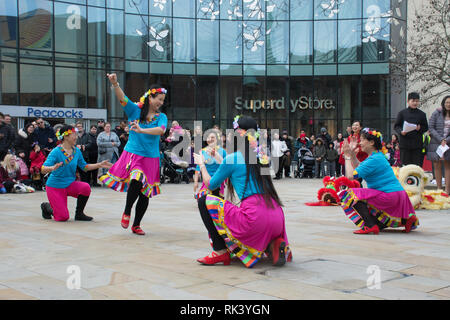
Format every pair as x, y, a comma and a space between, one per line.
157, 36
253, 40
159, 3
255, 9
210, 10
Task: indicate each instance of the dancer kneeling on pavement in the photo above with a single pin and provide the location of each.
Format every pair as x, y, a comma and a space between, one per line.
137, 170
257, 225
62, 163
384, 203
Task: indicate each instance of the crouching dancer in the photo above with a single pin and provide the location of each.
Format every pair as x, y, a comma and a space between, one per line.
62, 163
257, 225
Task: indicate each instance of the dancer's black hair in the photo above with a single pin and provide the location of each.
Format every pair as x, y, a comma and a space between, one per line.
264, 183
378, 144
146, 106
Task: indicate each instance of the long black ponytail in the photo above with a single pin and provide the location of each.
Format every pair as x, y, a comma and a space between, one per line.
264, 182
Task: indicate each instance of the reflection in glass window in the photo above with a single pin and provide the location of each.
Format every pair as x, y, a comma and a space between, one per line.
277, 42
8, 83
115, 33
301, 9
183, 40
254, 10
70, 87
136, 6
183, 97
375, 8
116, 4
207, 41
301, 42
35, 19
98, 3
8, 24
184, 9
230, 42
349, 9
325, 41
96, 89
349, 40
36, 85
207, 100
96, 31
277, 10
136, 33
231, 10
160, 38
375, 39
70, 28
160, 8
326, 9
254, 42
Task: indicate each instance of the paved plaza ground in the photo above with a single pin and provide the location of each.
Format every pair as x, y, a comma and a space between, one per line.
40, 257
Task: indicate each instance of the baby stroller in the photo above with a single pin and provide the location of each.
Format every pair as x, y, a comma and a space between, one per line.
173, 168
306, 163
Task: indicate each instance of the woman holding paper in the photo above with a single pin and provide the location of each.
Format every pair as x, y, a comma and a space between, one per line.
438, 150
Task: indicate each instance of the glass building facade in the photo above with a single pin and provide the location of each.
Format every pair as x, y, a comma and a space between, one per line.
291, 64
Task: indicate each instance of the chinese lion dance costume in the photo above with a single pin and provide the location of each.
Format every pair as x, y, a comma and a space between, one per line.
328, 195
413, 179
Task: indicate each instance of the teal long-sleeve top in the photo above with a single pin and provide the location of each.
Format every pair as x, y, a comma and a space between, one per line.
233, 167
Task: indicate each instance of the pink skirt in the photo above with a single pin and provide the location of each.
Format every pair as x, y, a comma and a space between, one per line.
391, 209
249, 228
131, 166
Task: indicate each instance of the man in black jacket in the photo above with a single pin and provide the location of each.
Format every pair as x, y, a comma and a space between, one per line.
6, 137
411, 143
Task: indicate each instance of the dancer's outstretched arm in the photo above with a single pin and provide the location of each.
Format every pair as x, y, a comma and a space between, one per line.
152, 131
115, 85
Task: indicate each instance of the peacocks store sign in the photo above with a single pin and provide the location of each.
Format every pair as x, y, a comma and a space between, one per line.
302, 103
55, 113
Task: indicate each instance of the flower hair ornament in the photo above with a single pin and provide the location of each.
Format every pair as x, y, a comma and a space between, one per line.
253, 139
378, 135
149, 92
60, 135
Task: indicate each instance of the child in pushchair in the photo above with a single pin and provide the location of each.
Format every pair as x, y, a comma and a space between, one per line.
305, 166
173, 168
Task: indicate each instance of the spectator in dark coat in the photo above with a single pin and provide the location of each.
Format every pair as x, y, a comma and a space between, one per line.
6, 138
92, 150
82, 141
24, 142
45, 135
411, 143
320, 152
325, 136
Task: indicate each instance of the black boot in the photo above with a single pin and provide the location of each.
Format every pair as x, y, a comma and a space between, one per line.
81, 204
47, 210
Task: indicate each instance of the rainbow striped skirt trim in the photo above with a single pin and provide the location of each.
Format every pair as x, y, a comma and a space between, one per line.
378, 207
249, 256
133, 167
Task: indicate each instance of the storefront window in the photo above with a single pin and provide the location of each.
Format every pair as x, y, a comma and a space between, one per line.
136, 35
35, 24
96, 31
277, 42
96, 89
115, 33
349, 41
8, 84
70, 87
325, 38
230, 41
70, 28
207, 41
36, 85
8, 23
184, 40
301, 42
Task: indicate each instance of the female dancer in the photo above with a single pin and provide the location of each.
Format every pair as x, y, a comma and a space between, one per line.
384, 203
137, 170
258, 223
62, 162
213, 155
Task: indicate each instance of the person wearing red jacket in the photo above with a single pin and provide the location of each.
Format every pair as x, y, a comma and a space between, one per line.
37, 158
355, 136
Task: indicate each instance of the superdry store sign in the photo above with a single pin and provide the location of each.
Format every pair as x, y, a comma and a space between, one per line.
47, 112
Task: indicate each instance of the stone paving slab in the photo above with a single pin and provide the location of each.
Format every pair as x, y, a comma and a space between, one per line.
330, 262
